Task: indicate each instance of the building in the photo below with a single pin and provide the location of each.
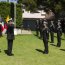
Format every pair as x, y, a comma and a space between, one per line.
29, 19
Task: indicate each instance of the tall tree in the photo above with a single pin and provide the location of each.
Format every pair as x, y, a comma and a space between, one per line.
30, 4
19, 1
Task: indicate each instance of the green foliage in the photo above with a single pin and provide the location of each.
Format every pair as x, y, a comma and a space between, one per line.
30, 4
58, 7
18, 16
19, 1
5, 11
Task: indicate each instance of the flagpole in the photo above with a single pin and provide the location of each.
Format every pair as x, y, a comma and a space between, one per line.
15, 30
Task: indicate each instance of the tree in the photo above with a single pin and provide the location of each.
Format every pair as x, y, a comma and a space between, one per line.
19, 1
55, 5
30, 4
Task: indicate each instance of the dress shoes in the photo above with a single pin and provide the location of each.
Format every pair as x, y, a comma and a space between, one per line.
9, 54
44, 52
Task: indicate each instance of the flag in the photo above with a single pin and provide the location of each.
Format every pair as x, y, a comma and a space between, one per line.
2, 26
7, 19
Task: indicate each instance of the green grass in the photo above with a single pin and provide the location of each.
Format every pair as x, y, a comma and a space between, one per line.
25, 53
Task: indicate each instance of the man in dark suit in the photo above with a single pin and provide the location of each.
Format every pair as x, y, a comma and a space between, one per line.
45, 37
10, 37
59, 33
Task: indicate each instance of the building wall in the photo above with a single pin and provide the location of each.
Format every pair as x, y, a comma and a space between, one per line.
29, 24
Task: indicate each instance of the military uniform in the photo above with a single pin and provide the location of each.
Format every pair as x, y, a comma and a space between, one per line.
10, 37
40, 28
47, 24
0, 29
52, 31
59, 33
37, 28
45, 37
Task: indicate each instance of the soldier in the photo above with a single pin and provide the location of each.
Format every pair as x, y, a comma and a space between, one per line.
59, 33
0, 30
52, 31
37, 27
63, 26
45, 37
40, 28
47, 23
10, 37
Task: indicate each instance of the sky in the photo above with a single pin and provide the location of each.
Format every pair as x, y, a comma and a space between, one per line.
10, 0
3, 0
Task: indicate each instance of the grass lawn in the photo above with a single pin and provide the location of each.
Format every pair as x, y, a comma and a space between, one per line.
25, 53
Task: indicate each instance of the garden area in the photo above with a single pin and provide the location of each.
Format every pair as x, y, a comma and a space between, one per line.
28, 49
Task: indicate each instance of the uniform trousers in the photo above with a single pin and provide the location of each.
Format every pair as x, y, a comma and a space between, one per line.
10, 45
45, 45
58, 39
52, 36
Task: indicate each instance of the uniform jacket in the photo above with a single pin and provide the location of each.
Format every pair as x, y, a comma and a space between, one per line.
0, 29
10, 31
45, 32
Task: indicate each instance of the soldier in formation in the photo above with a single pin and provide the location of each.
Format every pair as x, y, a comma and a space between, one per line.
0, 29
37, 27
52, 31
40, 28
59, 33
45, 37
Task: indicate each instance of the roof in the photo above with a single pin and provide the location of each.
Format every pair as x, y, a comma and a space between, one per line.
28, 15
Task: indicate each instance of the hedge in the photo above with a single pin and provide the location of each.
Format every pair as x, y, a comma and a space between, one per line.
5, 10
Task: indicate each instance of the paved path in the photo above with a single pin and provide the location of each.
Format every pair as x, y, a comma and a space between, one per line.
26, 32
19, 31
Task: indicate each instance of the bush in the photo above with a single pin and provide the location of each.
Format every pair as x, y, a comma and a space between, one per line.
5, 11
19, 16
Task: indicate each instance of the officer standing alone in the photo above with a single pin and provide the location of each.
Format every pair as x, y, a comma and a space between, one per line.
10, 37
45, 37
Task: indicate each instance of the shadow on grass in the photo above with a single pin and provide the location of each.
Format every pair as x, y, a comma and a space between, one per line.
61, 37
49, 41
0, 50
62, 49
53, 45
38, 36
39, 50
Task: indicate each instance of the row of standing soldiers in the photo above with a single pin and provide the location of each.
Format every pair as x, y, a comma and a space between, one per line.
45, 27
